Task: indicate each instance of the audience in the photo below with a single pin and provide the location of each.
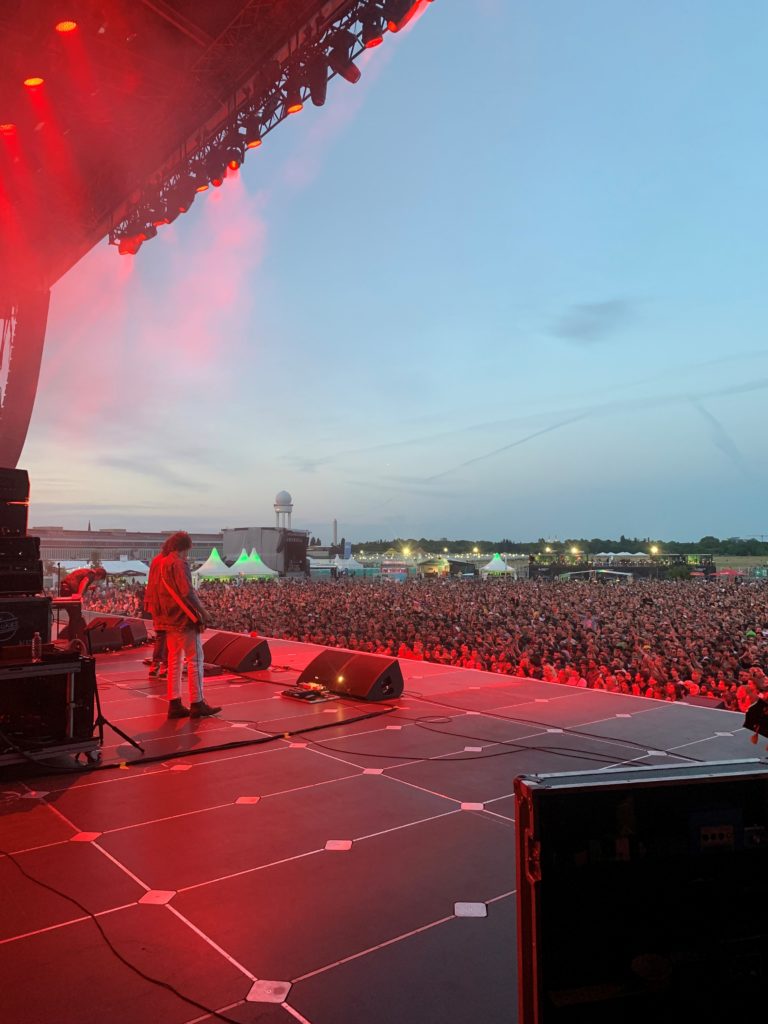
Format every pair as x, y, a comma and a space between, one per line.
652, 638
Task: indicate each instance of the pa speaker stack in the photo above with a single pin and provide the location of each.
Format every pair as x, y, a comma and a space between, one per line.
21, 571
234, 652
351, 674
104, 634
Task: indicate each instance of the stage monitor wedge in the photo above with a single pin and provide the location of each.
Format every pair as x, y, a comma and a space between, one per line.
352, 674
237, 653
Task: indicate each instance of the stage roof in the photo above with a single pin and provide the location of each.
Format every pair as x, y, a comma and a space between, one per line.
123, 96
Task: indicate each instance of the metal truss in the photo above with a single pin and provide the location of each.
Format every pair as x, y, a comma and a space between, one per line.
261, 99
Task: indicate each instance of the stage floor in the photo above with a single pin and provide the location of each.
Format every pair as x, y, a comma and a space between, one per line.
344, 869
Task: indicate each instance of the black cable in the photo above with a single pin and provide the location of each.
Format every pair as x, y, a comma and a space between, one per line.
589, 755
116, 952
566, 729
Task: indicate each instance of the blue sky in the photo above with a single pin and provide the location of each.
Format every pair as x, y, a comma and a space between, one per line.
510, 284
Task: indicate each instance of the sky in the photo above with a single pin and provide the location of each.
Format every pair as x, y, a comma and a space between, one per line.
511, 284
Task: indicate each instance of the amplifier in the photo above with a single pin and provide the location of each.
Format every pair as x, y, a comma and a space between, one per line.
46, 705
22, 617
19, 549
14, 485
21, 577
640, 894
13, 518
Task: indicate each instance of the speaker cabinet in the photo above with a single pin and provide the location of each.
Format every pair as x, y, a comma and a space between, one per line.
245, 654
351, 674
104, 634
133, 632
214, 645
22, 617
14, 485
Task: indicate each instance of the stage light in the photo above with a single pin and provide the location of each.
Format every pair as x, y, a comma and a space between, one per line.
66, 26
252, 132
234, 150
33, 82
7, 129
399, 13
340, 57
317, 78
373, 29
293, 102
129, 246
215, 167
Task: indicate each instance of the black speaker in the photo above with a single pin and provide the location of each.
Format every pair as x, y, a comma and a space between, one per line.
245, 654
13, 518
715, 703
133, 632
14, 485
351, 674
214, 645
104, 634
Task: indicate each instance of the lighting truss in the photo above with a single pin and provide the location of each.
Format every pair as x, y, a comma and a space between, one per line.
262, 106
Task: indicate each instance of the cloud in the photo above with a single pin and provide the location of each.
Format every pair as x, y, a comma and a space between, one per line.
592, 322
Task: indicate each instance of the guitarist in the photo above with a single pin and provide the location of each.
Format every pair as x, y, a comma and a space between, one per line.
177, 609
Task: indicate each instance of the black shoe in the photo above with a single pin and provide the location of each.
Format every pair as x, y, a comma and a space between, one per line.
176, 709
200, 709
153, 671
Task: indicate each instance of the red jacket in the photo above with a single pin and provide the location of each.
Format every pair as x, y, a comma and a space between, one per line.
172, 573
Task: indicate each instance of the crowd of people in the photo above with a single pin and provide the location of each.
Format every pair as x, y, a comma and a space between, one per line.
654, 638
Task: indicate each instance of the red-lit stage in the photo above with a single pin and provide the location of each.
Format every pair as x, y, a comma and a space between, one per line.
362, 871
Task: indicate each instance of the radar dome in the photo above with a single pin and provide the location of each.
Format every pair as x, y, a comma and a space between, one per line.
283, 498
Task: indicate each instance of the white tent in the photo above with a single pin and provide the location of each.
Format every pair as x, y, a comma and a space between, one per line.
349, 565
497, 567
254, 567
213, 568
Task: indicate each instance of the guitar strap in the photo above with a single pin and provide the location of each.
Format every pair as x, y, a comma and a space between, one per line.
184, 607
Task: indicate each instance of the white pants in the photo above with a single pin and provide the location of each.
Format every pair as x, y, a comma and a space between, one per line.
185, 643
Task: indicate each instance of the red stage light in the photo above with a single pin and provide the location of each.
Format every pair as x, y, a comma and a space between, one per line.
294, 108
233, 165
217, 182
32, 83
66, 26
201, 188
376, 41
253, 144
7, 129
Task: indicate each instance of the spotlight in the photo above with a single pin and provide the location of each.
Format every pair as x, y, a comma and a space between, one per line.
340, 57
33, 82
399, 13
66, 26
7, 129
252, 135
234, 150
293, 101
317, 79
128, 246
373, 29
215, 168
180, 197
